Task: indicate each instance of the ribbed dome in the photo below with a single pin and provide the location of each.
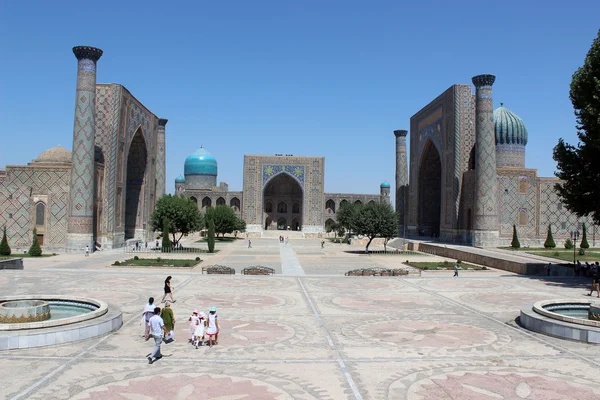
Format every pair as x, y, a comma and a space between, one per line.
509, 128
384, 184
54, 155
201, 162
180, 179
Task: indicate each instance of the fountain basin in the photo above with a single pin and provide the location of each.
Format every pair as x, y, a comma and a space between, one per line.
24, 311
565, 318
73, 318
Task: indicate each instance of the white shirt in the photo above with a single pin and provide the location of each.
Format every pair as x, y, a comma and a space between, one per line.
156, 325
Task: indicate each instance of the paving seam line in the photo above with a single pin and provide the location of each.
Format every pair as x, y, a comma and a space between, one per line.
338, 357
81, 354
513, 328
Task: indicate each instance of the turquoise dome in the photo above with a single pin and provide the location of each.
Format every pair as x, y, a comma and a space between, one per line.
509, 128
201, 162
384, 184
180, 179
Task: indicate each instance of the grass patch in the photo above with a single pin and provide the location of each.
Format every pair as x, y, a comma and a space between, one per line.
25, 255
157, 262
567, 255
444, 265
543, 249
225, 239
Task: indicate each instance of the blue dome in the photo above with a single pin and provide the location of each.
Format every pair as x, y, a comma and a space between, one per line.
201, 162
180, 179
509, 128
384, 184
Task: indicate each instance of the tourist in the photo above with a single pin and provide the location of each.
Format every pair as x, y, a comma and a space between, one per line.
194, 320
146, 315
213, 326
169, 320
156, 246
87, 251
157, 331
287, 239
249, 243
200, 330
548, 269
168, 290
322, 244
456, 268
595, 283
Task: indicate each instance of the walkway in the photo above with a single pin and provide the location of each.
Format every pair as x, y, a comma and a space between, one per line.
289, 262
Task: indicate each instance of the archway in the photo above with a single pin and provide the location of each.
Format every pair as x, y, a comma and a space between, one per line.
235, 204
136, 171
358, 203
195, 200
329, 225
430, 191
295, 224
220, 201
330, 206
268, 223
206, 202
281, 197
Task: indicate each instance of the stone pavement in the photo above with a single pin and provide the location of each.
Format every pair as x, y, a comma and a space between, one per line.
315, 336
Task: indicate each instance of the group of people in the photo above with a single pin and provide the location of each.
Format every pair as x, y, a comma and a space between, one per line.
283, 239
159, 324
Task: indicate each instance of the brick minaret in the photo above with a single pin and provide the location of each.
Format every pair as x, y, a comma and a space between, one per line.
401, 178
80, 229
161, 159
485, 216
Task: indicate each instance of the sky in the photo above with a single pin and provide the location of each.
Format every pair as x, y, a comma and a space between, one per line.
312, 78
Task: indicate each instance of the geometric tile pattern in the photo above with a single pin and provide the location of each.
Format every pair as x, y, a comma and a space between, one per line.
401, 176
512, 202
161, 159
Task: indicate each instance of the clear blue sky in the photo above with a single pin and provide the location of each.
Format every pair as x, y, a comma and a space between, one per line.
317, 78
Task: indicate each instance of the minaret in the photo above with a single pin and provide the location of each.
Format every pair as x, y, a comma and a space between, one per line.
485, 218
161, 160
80, 229
384, 192
401, 179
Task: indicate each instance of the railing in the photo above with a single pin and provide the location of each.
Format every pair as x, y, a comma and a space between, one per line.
159, 250
395, 252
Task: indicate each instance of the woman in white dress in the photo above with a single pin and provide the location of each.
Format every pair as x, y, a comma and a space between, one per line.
200, 330
194, 321
213, 326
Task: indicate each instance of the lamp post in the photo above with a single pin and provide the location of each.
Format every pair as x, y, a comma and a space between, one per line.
574, 237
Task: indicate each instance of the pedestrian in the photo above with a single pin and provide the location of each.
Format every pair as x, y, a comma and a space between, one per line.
249, 243
322, 244
213, 326
548, 268
595, 283
146, 244
168, 290
287, 238
456, 268
146, 315
194, 320
157, 331
87, 251
200, 331
169, 320
156, 245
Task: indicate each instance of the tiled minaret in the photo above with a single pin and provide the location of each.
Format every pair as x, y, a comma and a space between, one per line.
80, 229
161, 159
485, 218
401, 178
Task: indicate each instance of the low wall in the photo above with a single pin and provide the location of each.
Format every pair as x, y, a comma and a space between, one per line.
11, 263
533, 268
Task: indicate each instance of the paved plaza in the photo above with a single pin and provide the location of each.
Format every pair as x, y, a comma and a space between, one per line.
306, 333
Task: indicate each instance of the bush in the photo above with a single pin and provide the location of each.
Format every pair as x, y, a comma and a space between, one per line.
584, 243
556, 254
158, 259
581, 251
35, 250
549, 243
515, 239
4, 247
211, 236
117, 263
484, 268
197, 258
568, 244
166, 243
187, 265
136, 258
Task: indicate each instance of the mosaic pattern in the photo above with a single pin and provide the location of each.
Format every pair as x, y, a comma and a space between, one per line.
161, 159
401, 176
295, 171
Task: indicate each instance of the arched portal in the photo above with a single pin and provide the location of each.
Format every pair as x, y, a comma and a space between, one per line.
206, 202
330, 206
430, 191
235, 204
285, 193
220, 201
134, 193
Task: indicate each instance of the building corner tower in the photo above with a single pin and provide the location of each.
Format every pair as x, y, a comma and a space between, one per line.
161, 160
401, 180
485, 219
80, 219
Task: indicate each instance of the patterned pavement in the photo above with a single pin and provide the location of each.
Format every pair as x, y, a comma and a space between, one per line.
317, 336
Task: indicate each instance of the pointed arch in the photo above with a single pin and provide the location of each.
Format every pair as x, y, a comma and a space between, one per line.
330, 206
220, 201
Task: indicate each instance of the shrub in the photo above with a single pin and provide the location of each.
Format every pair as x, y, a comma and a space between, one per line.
136, 258
485, 268
515, 239
187, 265
584, 243
211, 236
197, 258
549, 243
556, 254
35, 250
158, 259
166, 243
568, 244
117, 263
581, 251
4, 247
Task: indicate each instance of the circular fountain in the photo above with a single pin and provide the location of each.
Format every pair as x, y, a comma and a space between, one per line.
45, 320
568, 319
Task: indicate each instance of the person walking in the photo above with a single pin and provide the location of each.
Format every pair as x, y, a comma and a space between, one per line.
213, 326
168, 290
595, 283
194, 321
249, 243
157, 331
200, 331
322, 244
146, 315
456, 268
87, 251
548, 268
169, 320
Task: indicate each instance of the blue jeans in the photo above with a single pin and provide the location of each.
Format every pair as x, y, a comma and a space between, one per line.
156, 350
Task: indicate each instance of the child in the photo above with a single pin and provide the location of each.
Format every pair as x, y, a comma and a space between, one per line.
194, 321
200, 330
213, 326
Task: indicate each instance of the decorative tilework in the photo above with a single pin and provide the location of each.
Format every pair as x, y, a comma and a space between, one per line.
271, 170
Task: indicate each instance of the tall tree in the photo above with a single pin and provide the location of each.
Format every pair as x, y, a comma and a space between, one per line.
584, 243
515, 244
549, 243
578, 167
166, 243
223, 217
4, 247
35, 250
346, 216
211, 236
181, 213
375, 220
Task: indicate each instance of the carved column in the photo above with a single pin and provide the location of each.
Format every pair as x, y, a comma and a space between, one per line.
485, 216
161, 160
401, 179
80, 229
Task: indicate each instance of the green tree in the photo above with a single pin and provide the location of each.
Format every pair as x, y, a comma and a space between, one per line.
211, 236
577, 166
240, 225
549, 243
376, 219
166, 243
346, 216
584, 243
181, 213
568, 244
515, 244
223, 217
4, 247
35, 250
